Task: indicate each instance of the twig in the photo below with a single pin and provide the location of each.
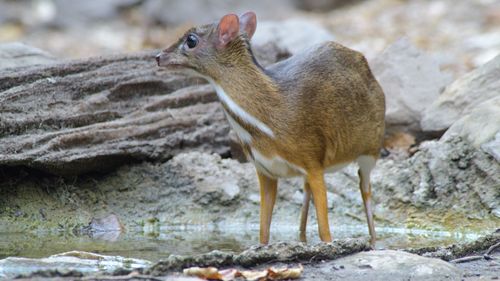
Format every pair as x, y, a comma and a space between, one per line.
131, 276
492, 248
467, 259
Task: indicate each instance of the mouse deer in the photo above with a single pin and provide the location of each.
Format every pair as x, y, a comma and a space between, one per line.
310, 114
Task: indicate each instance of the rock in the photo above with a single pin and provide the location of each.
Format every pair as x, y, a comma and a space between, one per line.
263, 254
448, 175
87, 12
92, 115
292, 35
322, 5
108, 228
96, 114
493, 148
391, 265
82, 262
202, 12
411, 81
461, 249
298, 197
18, 54
462, 96
108, 223
216, 180
480, 125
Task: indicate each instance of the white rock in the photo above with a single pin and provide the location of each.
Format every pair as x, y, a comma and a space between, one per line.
480, 125
18, 54
393, 265
411, 81
298, 197
84, 262
292, 35
493, 147
462, 96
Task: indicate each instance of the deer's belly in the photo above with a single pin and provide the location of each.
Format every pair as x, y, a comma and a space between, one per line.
275, 166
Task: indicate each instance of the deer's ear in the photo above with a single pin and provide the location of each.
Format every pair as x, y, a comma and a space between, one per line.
248, 23
228, 29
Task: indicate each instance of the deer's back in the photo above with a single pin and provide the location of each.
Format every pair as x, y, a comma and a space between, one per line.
332, 97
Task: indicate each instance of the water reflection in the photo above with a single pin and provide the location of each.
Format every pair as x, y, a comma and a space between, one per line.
185, 240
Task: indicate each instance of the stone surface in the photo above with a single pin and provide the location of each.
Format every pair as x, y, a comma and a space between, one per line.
480, 125
293, 35
264, 254
411, 81
450, 175
65, 263
390, 265
322, 5
196, 12
216, 182
459, 250
493, 147
462, 96
344, 259
96, 114
18, 54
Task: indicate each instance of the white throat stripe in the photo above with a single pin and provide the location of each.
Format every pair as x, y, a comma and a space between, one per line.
238, 111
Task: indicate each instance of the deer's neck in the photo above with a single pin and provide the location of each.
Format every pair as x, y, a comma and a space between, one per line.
249, 103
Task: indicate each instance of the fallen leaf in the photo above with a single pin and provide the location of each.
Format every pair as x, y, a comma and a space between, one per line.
252, 275
285, 273
203, 272
212, 273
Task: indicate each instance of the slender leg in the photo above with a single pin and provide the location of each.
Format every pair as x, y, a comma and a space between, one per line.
304, 212
268, 189
318, 189
365, 167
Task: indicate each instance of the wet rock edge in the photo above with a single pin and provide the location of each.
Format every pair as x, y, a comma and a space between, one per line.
282, 252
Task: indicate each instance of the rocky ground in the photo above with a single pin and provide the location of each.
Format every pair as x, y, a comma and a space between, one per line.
342, 259
112, 143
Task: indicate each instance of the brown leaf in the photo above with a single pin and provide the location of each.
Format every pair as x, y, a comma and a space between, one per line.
252, 275
213, 273
285, 273
203, 272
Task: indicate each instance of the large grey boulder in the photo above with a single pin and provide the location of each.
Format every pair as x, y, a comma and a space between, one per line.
411, 81
462, 96
95, 114
391, 265
176, 12
493, 147
292, 35
18, 54
480, 125
448, 175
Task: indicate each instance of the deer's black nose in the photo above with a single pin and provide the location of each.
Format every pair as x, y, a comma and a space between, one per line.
158, 59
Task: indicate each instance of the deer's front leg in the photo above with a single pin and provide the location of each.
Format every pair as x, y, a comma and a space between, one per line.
268, 189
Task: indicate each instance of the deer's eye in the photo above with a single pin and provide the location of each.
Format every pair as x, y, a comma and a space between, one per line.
191, 41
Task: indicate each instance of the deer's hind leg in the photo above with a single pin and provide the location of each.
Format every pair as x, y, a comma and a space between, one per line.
366, 164
305, 211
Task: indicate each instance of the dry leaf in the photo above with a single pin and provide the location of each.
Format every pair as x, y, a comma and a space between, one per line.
213, 273
252, 275
229, 274
285, 273
203, 272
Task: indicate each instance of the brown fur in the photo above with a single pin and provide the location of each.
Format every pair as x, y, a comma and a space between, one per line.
323, 105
